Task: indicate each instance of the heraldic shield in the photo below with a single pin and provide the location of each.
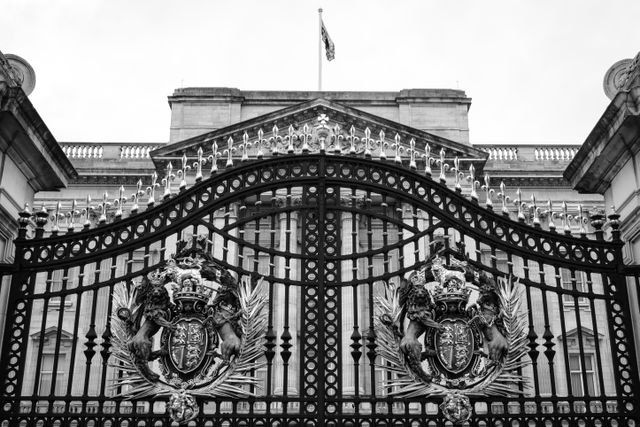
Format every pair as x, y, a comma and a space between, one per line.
211, 327
452, 330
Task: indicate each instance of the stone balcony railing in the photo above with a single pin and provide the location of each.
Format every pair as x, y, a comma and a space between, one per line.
140, 150
544, 154
108, 150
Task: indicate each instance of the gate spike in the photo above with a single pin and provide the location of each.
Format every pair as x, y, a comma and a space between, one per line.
151, 190
551, 215
229, 152
502, 195
290, 136
72, 215
412, 154
443, 166
261, 142
337, 139
536, 212
367, 142
275, 140
383, 145
352, 140
182, 173
120, 201
198, 164
427, 160
474, 183
306, 137
457, 174
56, 218
135, 197
565, 219
166, 181
520, 205
488, 191
245, 147
213, 157
581, 220
398, 149
86, 213
104, 206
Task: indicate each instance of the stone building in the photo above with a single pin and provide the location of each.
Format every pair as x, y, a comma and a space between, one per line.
548, 186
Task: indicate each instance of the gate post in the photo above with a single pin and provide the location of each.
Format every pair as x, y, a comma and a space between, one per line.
621, 327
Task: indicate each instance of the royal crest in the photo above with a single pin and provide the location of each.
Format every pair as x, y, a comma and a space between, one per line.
210, 328
452, 330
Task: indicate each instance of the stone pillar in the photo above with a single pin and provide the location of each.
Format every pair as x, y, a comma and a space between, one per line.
288, 225
350, 236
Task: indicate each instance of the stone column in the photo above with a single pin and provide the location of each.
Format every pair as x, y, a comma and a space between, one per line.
286, 233
350, 236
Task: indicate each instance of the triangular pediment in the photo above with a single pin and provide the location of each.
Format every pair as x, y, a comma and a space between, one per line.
319, 125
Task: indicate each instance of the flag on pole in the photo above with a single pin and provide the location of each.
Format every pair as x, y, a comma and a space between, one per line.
328, 44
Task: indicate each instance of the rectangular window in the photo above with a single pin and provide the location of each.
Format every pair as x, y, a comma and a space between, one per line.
576, 370
46, 375
581, 286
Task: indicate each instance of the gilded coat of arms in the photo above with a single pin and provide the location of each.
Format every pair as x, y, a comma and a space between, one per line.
454, 331
210, 327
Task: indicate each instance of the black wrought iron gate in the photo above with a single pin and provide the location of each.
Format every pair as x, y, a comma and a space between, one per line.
326, 233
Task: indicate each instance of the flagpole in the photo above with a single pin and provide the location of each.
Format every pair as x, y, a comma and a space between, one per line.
319, 49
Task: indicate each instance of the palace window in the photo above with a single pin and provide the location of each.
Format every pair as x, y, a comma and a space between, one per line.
581, 286
46, 375
578, 372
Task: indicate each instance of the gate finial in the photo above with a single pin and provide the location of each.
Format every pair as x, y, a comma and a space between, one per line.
427, 160
383, 145
457, 174
213, 157
502, 195
182, 173
24, 217
443, 166
488, 191
229, 152
275, 140
151, 190
166, 181
198, 164
536, 211
136, 196
86, 212
120, 201
474, 183
367, 143
550, 215
103, 207
520, 205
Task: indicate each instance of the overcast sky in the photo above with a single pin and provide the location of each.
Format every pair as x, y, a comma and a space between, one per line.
533, 68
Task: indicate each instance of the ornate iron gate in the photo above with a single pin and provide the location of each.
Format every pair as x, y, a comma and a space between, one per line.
331, 236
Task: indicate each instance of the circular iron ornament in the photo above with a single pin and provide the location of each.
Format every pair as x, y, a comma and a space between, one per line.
474, 335
456, 408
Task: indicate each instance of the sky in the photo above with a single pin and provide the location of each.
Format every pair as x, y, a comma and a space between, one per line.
534, 69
